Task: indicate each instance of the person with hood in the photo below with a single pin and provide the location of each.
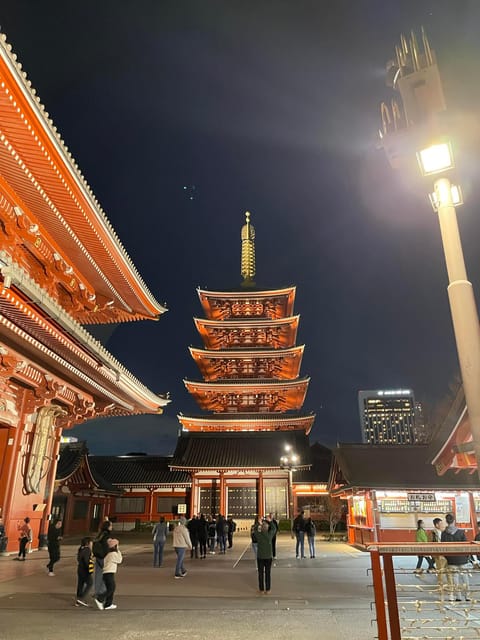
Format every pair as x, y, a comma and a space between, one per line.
298, 531
456, 565
159, 534
263, 539
181, 542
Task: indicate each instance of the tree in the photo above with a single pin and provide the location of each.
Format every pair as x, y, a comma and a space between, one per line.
334, 510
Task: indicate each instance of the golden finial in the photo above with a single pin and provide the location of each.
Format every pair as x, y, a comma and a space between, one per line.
248, 252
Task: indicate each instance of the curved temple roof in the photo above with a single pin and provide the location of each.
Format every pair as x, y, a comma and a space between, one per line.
38, 165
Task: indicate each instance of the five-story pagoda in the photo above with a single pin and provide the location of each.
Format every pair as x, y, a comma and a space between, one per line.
253, 391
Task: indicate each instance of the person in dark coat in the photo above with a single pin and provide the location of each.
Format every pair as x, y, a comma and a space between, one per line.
202, 535
54, 537
457, 565
298, 531
273, 522
263, 539
192, 526
232, 527
85, 566
101, 542
222, 532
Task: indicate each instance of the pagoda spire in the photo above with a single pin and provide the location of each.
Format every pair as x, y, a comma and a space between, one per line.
248, 253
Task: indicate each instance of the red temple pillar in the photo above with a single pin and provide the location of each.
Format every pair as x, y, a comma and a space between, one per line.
223, 501
260, 495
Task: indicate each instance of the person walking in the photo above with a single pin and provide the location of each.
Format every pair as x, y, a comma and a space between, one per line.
422, 537
100, 549
25, 536
457, 565
85, 566
110, 565
54, 537
181, 542
298, 531
310, 530
159, 534
263, 539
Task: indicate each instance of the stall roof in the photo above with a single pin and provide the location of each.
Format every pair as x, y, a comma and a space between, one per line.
368, 466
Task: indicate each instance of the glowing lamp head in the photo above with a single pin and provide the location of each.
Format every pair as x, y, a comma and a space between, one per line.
435, 159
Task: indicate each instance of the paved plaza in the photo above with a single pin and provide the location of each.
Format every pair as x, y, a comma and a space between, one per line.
330, 596
217, 598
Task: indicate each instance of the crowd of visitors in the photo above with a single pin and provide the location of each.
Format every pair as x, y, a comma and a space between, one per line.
98, 557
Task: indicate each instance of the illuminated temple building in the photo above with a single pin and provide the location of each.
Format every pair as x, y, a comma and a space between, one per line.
61, 267
252, 394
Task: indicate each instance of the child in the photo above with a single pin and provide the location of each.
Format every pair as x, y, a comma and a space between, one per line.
110, 563
85, 561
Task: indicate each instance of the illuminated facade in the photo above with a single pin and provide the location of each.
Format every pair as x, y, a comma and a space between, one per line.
253, 392
387, 416
61, 267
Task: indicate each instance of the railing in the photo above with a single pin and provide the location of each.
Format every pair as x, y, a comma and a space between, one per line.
419, 605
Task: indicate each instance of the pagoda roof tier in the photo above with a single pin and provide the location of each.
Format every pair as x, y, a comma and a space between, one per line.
222, 305
224, 451
248, 333
74, 355
248, 422
262, 396
279, 364
51, 219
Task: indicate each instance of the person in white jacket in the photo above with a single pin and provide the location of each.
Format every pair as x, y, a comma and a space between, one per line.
110, 564
181, 542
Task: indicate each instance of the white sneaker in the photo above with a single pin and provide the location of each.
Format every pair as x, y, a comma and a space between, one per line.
82, 603
50, 573
112, 606
99, 604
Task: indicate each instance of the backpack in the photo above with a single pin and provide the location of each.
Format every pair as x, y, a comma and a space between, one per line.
98, 549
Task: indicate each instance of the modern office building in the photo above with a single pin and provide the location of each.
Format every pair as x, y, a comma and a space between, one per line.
387, 416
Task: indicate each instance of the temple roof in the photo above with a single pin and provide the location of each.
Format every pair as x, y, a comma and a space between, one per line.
368, 466
242, 333
273, 303
47, 187
231, 364
263, 450
248, 421
144, 471
73, 459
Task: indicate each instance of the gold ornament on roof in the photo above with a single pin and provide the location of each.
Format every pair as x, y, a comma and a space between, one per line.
248, 253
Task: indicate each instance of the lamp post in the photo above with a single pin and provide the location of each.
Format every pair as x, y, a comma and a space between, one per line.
289, 462
419, 126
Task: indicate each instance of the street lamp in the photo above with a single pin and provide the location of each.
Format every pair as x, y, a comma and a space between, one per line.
420, 129
290, 462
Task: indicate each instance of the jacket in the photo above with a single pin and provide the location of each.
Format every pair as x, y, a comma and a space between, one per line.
454, 534
160, 531
264, 542
421, 535
111, 561
85, 561
181, 537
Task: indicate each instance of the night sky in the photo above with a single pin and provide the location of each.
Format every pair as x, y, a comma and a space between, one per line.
271, 107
